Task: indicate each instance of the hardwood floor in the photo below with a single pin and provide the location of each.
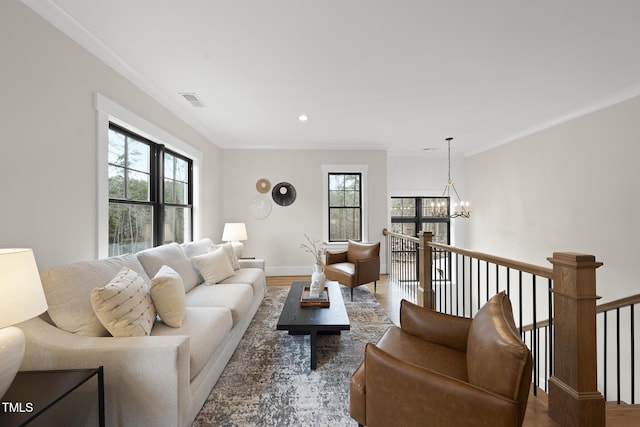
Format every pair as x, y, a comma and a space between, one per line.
537, 415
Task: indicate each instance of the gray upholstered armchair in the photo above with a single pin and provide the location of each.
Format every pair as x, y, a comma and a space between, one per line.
358, 265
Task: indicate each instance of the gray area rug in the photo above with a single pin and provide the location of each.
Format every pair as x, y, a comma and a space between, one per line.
268, 381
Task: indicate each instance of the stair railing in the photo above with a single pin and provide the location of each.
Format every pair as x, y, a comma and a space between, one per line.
458, 281
619, 348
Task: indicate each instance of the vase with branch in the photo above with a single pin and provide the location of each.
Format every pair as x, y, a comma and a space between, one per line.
318, 278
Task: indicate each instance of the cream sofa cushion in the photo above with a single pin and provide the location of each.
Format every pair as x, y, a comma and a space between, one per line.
167, 294
68, 291
172, 255
124, 305
206, 327
214, 266
249, 276
236, 298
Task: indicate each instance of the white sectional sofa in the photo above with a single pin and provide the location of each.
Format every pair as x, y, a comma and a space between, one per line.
161, 379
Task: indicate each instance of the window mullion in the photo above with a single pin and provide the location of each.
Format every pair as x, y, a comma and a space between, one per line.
158, 196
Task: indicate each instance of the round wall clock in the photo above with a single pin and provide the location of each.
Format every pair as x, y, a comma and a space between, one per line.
283, 194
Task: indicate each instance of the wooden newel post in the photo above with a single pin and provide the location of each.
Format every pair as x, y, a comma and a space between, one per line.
425, 290
574, 399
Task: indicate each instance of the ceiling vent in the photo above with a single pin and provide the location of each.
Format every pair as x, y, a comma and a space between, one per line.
193, 99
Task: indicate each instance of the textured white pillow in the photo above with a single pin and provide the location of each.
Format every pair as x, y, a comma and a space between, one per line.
124, 306
214, 266
167, 294
172, 255
230, 252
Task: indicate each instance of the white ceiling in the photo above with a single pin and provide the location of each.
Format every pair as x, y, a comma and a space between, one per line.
396, 74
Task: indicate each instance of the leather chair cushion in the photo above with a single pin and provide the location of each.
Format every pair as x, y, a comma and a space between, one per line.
343, 272
356, 251
444, 329
425, 354
496, 357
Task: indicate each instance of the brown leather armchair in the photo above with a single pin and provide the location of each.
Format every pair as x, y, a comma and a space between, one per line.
358, 265
445, 371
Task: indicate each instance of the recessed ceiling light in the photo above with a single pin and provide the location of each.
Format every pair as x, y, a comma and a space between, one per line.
303, 117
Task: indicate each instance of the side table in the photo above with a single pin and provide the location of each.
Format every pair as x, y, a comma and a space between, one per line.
34, 392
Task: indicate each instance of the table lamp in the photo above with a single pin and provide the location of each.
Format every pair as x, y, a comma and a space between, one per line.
21, 298
234, 232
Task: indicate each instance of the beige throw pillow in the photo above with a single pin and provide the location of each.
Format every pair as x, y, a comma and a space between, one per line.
230, 253
214, 266
124, 305
167, 294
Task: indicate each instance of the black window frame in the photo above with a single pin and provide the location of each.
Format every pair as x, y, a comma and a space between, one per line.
156, 186
419, 218
358, 207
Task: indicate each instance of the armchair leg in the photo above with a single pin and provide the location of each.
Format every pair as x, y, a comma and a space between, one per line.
375, 283
351, 294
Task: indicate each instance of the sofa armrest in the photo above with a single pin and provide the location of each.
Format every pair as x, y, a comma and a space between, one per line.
335, 257
149, 375
444, 329
426, 395
251, 263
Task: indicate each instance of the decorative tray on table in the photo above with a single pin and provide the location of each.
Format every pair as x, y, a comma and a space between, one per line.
321, 301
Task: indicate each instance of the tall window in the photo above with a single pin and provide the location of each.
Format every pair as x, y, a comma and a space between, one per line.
150, 193
410, 215
345, 206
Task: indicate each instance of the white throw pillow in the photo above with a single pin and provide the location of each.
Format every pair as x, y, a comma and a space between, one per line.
124, 305
167, 294
230, 252
214, 266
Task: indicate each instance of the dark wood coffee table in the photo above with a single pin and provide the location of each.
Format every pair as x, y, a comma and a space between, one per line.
313, 320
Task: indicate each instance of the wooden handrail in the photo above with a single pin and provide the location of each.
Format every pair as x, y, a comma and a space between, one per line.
517, 265
505, 262
608, 306
620, 303
386, 232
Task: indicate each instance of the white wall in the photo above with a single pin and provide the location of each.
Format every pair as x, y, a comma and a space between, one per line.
573, 187
277, 238
424, 174
48, 140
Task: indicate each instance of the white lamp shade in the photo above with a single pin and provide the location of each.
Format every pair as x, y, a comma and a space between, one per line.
234, 231
21, 294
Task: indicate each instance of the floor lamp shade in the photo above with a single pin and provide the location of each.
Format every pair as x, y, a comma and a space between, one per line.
21, 298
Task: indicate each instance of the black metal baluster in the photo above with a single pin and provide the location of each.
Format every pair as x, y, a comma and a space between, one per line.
605, 356
534, 349
479, 294
618, 353
520, 299
464, 296
633, 357
550, 341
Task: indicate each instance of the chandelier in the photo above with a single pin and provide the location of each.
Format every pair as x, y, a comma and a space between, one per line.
459, 208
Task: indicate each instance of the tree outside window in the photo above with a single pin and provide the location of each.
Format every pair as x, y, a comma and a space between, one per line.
140, 199
345, 206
